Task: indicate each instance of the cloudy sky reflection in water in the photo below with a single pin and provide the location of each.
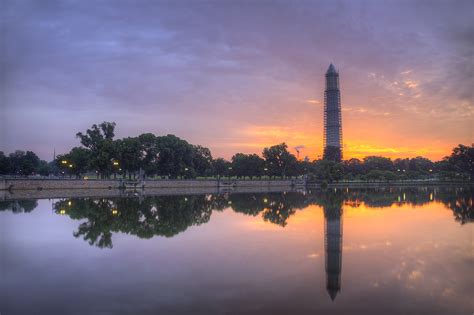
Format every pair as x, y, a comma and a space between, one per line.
243, 263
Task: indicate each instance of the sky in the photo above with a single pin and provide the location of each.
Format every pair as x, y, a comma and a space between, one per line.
237, 76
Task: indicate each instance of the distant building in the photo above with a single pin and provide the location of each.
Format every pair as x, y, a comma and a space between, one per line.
332, 116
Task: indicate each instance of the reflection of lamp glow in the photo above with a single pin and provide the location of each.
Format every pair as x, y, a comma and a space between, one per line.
404, 196
431, 197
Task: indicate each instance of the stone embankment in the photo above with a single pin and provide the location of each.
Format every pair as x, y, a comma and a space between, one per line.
14, 184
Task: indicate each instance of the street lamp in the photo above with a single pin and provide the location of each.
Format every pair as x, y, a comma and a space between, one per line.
230, 169
116, 164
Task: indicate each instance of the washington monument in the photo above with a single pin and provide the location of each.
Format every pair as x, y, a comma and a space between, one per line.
332, 116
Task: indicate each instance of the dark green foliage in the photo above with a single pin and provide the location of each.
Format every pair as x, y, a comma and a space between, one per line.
332, 153
220, 167
377, 163
99, 140
128, 156
21, 163
461, 161
327, 170
380, 175
279, 161
247, 165
76, 162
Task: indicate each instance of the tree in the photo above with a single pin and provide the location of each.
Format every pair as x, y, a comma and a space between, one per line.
377, 163
5, 167
99, 140
401, 165
328, 170
220, 167
79, 158
44, 168
202, 160
247, 165
129, 156
175, 156
461, 160
332, 153
279, 161
353, 167
421, 166
22, 163
149, 153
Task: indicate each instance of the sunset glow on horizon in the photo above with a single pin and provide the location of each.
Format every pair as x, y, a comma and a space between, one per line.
238, 78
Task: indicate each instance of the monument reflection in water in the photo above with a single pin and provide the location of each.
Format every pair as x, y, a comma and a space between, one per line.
333, 246
99, 221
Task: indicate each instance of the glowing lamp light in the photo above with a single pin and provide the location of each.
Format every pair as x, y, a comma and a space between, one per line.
69, 203
116, 163
70, 165
64, 162
265, 200
62, 211
114, 212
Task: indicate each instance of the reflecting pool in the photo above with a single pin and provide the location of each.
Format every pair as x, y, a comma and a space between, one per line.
338, 251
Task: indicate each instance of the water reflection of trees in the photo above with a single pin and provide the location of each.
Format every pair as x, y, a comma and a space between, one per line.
275, 207
19, 206
167, 216
164, 216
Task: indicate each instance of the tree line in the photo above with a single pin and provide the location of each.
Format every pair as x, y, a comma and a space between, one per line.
169, 156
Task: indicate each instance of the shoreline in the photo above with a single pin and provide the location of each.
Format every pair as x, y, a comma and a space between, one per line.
60, 188
14, 184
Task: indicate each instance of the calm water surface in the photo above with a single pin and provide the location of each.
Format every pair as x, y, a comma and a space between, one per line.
356, 251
